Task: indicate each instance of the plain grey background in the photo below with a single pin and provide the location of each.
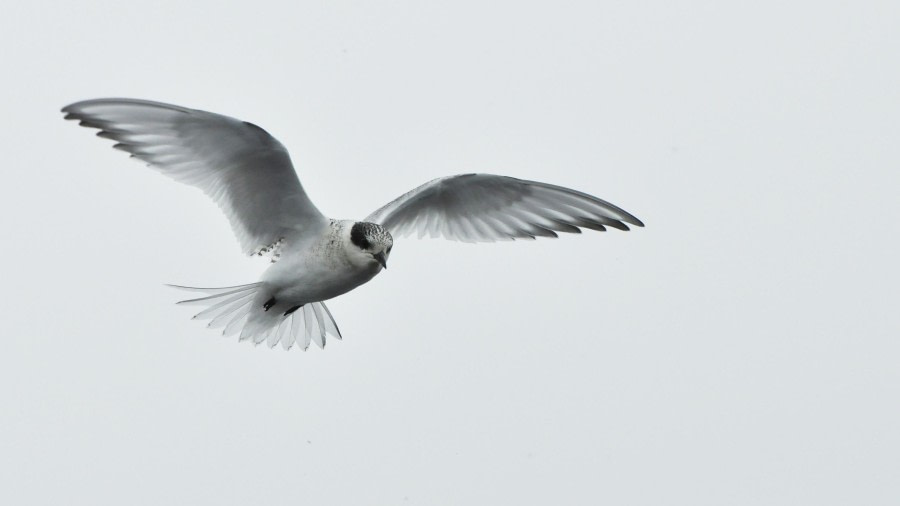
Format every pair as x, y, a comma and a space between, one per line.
741, 349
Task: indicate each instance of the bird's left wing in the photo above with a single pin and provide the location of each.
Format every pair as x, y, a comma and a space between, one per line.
487, 208
238, 164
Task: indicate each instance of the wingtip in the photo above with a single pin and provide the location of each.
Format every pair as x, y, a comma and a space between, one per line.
630, 220
71, 108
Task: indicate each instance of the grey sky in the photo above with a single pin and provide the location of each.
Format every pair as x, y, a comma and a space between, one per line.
741, 349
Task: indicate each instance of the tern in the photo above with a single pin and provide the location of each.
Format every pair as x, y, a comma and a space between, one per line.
249, 174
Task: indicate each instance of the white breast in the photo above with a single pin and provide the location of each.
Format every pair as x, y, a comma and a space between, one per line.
320, 267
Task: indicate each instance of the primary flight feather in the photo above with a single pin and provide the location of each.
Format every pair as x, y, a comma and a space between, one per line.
249, 174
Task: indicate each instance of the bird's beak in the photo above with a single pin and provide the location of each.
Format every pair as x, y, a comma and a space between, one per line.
381, 259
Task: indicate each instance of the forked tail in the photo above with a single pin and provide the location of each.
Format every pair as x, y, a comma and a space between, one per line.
241, 309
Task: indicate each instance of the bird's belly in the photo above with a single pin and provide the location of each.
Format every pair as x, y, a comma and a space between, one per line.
313, 281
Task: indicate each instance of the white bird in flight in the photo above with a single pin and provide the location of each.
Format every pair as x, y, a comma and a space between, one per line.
248, 173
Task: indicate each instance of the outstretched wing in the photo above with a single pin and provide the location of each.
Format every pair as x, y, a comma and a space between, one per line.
487, 208
246, 171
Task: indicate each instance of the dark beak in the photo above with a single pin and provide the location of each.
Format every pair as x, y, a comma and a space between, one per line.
381, 259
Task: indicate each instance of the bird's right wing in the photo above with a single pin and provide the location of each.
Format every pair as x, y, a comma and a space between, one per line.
487, 208
246, 171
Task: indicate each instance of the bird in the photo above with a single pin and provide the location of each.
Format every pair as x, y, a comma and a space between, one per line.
314, 258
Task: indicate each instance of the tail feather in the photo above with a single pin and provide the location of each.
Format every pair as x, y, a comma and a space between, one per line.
311, 331
330, 325
238, 322
287, 338
265, 333
305, 328
280, 333
231, 313
239, 309
224, 307
215, 293
321, 324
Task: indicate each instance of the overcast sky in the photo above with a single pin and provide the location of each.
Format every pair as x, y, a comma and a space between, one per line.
741, 349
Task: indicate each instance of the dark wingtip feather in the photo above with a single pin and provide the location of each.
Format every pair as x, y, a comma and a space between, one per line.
592, 225
562, 226
537, 230
89, 123
616, 224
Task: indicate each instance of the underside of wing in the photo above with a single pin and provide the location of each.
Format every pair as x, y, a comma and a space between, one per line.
246, 171
486, 208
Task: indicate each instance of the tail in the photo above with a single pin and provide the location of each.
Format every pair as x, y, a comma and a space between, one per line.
232, 309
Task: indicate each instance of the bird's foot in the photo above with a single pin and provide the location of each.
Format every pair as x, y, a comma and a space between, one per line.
291, 310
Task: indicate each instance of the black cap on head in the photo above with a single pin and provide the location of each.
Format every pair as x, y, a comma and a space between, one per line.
358, 235
370, 236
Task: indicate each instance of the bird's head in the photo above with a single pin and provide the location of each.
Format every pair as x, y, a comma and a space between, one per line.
372, 240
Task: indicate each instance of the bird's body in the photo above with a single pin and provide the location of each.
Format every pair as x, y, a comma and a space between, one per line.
317, 267
315, 258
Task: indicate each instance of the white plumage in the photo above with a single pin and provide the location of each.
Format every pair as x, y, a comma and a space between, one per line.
249, 174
